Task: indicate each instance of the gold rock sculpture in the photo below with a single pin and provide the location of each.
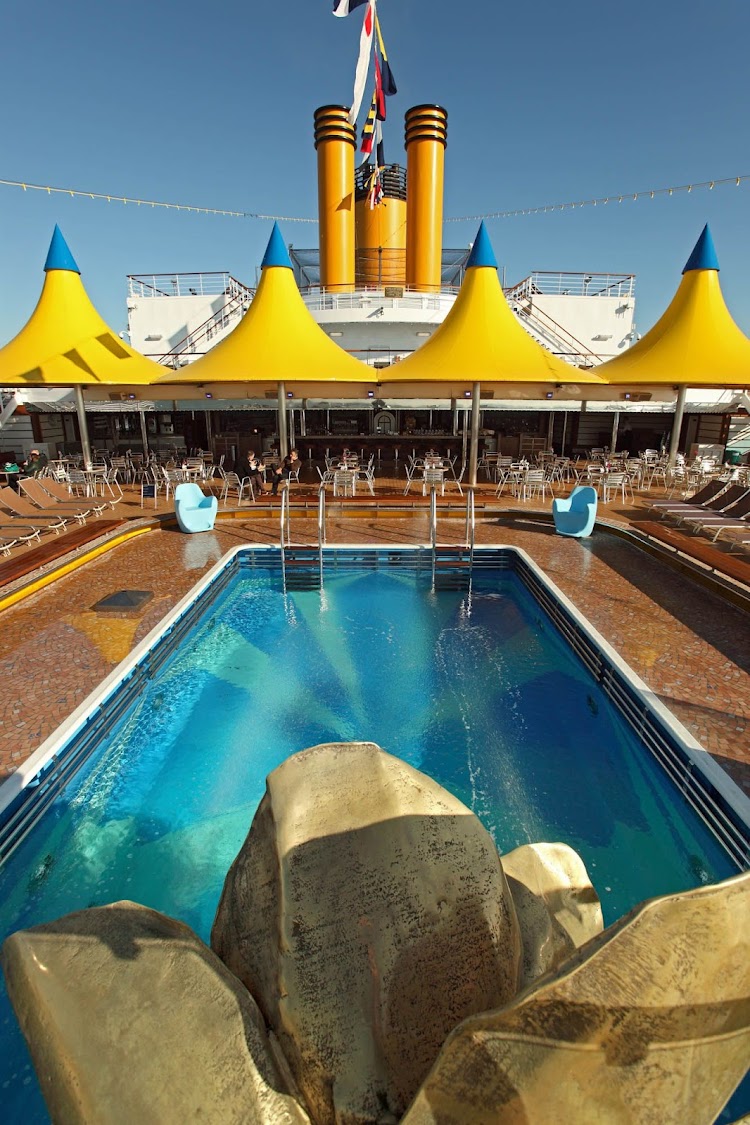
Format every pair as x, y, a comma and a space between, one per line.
368, 913
557, 908
131, 1018
649, 1022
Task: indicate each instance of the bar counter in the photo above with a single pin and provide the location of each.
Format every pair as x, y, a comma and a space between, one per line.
386, 447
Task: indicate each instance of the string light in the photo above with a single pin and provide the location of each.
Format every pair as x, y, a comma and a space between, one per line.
125, 199
618, 197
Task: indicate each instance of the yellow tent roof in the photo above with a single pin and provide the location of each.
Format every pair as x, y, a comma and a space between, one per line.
480, 339
277, 340
696, 342
65, 342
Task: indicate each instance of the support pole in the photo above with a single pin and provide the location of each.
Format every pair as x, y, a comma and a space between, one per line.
550, 428
209, 433
564, 433
81, 411
474, 448
679, 411
615, 428
283, 440
144, 431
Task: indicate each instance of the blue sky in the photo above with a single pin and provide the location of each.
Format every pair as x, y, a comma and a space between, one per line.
213, 105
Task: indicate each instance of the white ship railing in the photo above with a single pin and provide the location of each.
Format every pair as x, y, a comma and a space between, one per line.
317, 301
541, 283
186, 285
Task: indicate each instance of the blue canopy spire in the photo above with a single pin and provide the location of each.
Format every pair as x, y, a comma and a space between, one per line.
482, 253
59, 256
276, 252
703, 256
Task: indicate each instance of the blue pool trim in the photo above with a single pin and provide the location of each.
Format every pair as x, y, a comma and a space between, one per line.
710, 791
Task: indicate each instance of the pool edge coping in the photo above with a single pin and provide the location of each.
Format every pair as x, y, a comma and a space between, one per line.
24, 775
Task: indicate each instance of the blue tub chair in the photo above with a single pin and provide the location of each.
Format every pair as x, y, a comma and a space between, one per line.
194, 511
576, 514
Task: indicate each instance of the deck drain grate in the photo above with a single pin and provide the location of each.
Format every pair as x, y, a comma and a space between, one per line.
123, 600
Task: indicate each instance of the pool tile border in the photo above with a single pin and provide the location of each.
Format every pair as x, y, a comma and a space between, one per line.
721, 804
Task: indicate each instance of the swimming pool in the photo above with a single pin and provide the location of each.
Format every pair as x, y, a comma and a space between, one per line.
487, 680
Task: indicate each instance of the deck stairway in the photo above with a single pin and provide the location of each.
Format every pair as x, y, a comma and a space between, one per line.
8, 404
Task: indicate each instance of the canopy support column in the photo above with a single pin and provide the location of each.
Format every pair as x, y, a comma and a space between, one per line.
283, 439
209, 432
144, 431
550, 428
615, 428
474, 447
679, 410
81, 411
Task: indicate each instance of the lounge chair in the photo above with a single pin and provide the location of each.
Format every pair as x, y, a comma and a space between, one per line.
60, 494
702, 496
575, 514
733, 518
30, 515
718, 504
194, 511
12, 533
71, 506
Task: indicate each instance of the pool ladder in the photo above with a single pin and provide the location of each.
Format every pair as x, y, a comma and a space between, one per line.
459, 556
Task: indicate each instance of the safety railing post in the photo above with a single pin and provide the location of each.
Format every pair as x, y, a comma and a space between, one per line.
286, 531
470, 522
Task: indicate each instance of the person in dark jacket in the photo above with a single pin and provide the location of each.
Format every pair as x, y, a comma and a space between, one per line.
35, 463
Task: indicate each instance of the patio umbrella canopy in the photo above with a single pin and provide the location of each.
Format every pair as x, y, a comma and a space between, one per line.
481, 341
65, 343
696, 343
277, 340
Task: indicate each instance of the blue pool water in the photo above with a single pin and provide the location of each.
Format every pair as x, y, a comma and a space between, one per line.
475, 687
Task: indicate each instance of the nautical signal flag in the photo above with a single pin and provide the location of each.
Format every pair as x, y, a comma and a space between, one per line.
363, 62
379, 95
344, 7
368, 129
388, 81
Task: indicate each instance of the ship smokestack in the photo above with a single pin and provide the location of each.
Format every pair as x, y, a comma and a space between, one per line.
426, 140
335, 142
381, 229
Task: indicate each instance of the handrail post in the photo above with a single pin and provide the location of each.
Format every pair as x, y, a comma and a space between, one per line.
285, 516
433, 517
470, 521
321, 516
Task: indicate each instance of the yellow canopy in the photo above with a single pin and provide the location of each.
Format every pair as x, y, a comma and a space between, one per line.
65, 342
277, 340
695, 343
480, 339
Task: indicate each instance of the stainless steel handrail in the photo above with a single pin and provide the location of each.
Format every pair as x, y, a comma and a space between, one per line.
284, 515
321, 516
470, 522
433, 517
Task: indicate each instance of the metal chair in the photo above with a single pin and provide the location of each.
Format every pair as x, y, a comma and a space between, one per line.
232, 483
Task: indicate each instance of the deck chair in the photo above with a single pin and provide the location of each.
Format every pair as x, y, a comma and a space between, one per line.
702, 496
69, 509
60, 493
12, 533
719, 503
733, 518
194, 510
36, 517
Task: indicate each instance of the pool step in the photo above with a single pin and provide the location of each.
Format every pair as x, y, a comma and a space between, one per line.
302, 568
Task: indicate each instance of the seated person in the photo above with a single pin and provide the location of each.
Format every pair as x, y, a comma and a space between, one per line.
255, 472
290, 464
35, 463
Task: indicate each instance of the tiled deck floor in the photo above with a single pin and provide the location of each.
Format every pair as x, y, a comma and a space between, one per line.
692, 648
